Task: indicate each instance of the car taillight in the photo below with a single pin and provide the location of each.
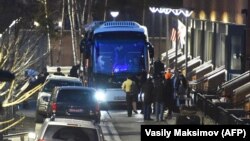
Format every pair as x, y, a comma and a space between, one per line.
41, 140
53, 106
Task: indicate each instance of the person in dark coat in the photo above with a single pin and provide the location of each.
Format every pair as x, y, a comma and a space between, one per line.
74, 71
43, 75
160, 98
158, 67
181, 88
135, 92
169, 92
147, 89
140, 79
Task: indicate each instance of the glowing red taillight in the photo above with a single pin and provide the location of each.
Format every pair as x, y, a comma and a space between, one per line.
53, 106
41, 140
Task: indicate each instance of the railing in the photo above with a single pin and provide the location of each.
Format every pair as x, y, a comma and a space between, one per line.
223, 113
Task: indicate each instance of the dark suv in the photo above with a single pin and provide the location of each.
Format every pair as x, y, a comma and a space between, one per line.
51, 82
74, 101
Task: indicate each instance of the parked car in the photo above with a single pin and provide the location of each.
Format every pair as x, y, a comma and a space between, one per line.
44, 95
74, 102
66, 129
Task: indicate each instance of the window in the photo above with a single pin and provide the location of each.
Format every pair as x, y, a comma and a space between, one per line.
124, 54
53, 83
236, 44
75, 96
208, 46
197, 43
220, 50
57, 132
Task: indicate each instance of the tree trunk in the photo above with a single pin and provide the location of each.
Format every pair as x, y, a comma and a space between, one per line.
105, 10
61, 34
72, 28
84, 11
89, 11
48, 33
79, 21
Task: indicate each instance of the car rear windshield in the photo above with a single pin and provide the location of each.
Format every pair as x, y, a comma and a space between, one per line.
53, 83
58, 132
75, 96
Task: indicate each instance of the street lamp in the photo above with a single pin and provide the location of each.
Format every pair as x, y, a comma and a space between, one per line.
114, 14
36, 24
60, 24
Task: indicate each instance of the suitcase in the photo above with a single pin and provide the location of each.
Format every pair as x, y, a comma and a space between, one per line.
188, 120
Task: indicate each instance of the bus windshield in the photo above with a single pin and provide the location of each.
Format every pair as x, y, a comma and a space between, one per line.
119, 52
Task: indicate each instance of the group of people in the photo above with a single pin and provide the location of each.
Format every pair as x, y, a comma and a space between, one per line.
162, 91
74, 71
41, 77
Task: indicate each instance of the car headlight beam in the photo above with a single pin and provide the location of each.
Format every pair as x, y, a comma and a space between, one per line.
100, 95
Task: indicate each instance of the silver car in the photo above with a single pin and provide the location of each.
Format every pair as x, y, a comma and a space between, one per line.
51, 82
62, 129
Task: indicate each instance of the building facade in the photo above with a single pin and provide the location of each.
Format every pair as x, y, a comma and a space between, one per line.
218, 31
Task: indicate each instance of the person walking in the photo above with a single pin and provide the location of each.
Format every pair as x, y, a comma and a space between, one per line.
147, 89
126, 87
134, 91
160, 98
169, 91
176, 83
180, 88
158, 67
183, 88
140, 80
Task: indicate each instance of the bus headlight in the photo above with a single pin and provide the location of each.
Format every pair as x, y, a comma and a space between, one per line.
100, 95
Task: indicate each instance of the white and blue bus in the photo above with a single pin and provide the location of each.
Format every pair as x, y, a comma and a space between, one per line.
114, 50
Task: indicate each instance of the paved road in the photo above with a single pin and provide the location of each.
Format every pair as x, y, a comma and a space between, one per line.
116, 125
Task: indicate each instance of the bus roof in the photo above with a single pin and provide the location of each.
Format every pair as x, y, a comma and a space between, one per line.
113, 26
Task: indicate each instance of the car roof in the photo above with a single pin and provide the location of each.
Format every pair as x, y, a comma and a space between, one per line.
75, 88
70, 122
59, 77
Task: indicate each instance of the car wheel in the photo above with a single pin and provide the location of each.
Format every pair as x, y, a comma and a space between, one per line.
39, 118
